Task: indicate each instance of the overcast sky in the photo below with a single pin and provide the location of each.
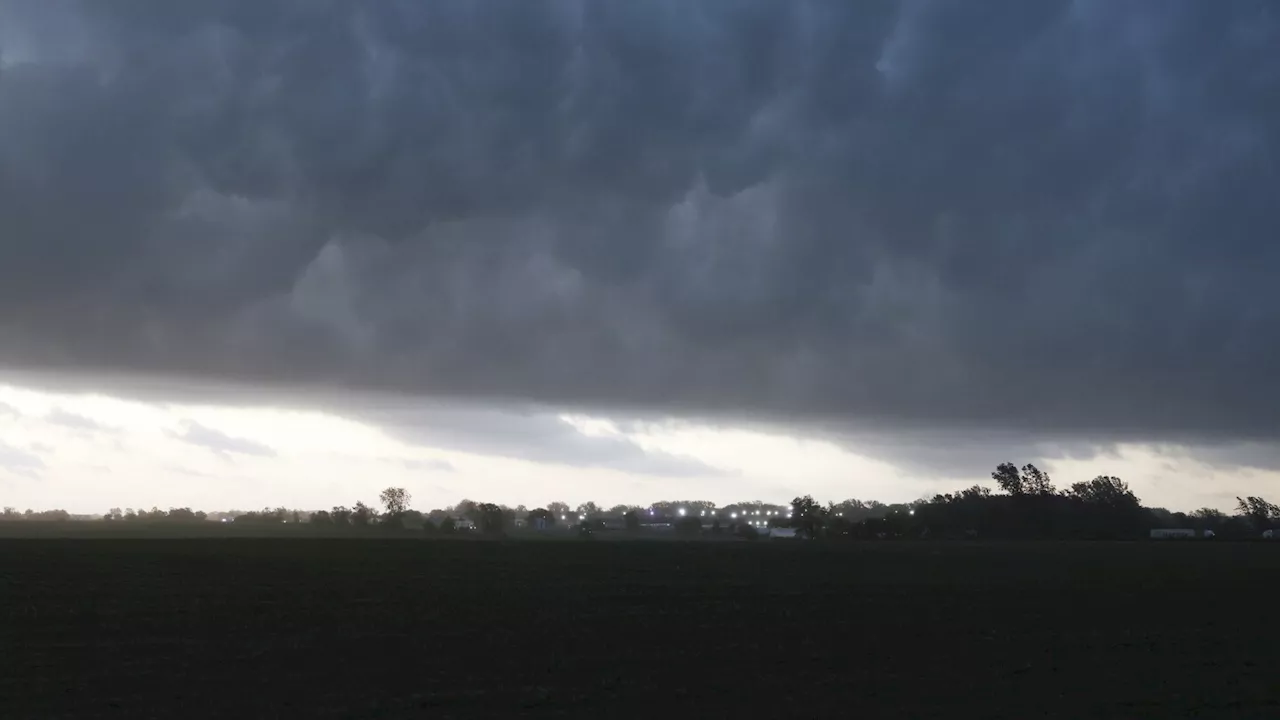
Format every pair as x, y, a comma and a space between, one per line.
291, 252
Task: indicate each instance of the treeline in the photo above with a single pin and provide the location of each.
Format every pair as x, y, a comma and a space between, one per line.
10, 514
1026, 505
1030, 506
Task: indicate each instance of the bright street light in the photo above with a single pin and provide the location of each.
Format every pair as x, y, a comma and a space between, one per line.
681, 511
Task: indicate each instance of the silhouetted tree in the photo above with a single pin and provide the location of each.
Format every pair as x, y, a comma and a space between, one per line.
1035, 481
1110, 507
631, 520
448, 526
1260, 513
1008, 478
807, 515
489, 519
362, 515
1207, 518
341, 515
395, 500
265, 516
559, 509
1105, 491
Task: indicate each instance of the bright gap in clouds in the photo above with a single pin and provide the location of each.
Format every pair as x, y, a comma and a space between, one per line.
87, 453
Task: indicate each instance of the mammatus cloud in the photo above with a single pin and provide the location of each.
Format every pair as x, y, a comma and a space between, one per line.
220, 442
1048, 218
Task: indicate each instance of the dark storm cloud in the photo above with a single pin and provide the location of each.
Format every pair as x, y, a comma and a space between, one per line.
1055, 218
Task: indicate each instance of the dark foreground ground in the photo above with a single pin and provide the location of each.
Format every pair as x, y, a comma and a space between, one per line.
366, 628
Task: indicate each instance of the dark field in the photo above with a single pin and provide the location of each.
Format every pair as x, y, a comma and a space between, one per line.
249, 628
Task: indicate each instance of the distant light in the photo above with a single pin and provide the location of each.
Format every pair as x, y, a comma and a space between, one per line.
703, 513
681, 511
733, 515
561, 517
913, 512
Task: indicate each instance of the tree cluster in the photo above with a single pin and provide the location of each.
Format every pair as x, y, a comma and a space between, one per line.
1027, 506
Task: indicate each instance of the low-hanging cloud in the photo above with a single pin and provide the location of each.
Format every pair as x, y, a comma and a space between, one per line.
74, 421
20, 462
1051, 217
523, 433
219, 442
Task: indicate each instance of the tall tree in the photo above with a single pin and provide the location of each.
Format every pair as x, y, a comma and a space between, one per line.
1036, 481
1008, 478
395, 500
1259, 512
807, 515
1105, 491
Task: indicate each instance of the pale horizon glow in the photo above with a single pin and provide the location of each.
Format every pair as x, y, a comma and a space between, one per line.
86, 453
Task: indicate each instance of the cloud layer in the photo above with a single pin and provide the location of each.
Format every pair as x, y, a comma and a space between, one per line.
1045, 217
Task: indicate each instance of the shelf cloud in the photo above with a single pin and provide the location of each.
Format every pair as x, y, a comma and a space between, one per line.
1053, 218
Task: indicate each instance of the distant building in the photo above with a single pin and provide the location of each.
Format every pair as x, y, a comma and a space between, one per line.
1170, 533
